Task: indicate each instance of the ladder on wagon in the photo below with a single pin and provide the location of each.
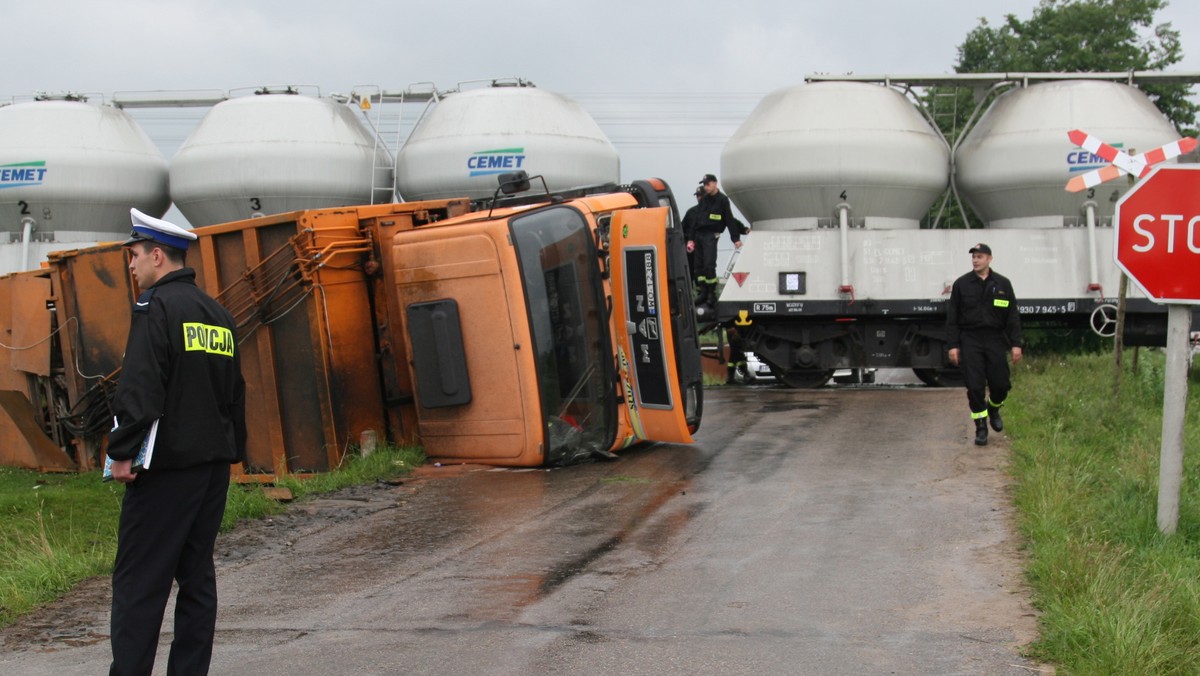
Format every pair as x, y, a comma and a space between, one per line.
383, 114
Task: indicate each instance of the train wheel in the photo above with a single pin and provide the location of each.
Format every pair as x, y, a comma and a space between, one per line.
951, 377
803, 379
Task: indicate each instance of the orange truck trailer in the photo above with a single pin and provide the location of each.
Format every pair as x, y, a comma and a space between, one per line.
533, 329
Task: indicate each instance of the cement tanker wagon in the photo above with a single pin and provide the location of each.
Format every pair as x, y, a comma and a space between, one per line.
472, 136
849, 295
1013, 165
267, 154
809, 153
1012, 168
69, 173
835, 178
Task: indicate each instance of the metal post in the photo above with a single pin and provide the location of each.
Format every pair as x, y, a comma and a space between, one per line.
844, 230
26, 234
1170, 472
1119, 338
1093, 275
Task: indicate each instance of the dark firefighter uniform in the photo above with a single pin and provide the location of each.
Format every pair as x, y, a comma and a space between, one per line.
983, 323
713, 215
736, 367
688, 222
181, 367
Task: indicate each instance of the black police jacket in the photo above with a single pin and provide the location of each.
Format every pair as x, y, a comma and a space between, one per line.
714, 214
982, 304
181, 365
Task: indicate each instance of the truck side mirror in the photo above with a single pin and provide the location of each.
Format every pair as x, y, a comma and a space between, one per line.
515, 182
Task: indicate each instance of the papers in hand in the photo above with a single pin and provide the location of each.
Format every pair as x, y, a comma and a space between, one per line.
142, 460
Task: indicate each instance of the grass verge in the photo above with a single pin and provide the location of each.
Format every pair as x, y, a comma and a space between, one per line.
1116, 596
59, 529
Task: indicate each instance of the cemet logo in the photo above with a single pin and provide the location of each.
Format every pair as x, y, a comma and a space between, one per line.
485, 162
1083, 160
21, 174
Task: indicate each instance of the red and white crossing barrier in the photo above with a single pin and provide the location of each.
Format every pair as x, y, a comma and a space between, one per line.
1122, 162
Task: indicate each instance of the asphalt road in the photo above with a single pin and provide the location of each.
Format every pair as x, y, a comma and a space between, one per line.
835, 531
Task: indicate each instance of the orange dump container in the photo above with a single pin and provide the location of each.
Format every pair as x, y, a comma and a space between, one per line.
25, 367
91, 294
301, 290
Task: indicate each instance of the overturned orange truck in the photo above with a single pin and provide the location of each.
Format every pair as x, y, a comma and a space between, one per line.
534, 329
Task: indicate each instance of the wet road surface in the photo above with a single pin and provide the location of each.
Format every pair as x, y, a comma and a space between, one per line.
832, 531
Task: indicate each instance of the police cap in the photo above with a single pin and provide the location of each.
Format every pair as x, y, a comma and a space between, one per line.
150, 229
981, 248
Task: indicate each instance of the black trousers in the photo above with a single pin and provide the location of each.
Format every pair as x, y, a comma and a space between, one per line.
983, 357
169, 523
706, 257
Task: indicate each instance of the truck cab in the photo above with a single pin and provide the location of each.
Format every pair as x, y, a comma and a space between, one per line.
548, 332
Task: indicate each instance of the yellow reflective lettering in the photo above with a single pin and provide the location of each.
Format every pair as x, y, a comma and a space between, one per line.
199, 337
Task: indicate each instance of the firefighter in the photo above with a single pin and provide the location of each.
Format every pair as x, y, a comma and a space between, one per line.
714, 214
689, 230
736, 369
982, 326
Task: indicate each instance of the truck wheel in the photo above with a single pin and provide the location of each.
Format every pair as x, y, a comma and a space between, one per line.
803, 379
951, 377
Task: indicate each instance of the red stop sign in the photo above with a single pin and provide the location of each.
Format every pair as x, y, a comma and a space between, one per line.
1158, 234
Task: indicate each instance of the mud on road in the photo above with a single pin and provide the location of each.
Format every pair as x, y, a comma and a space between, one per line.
823, 531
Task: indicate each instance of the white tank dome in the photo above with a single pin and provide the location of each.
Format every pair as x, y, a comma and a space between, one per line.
273, 153
469, 138
73, 170
806, 149
1013, 166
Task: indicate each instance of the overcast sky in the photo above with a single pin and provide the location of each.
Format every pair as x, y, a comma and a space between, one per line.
669, 82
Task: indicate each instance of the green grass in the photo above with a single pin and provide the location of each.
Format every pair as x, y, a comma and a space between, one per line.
1116, 596
55, 530
59, 529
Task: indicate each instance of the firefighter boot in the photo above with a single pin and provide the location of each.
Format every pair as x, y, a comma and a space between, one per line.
981, 425
994, 418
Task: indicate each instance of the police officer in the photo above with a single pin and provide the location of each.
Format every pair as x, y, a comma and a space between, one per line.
982, 325
714, 215
181, 369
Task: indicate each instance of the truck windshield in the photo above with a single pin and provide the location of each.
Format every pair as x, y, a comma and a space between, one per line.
568, 321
